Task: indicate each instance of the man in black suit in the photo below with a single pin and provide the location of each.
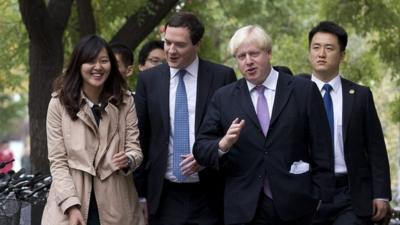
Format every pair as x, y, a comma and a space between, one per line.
171, 100
362, 191
267, 136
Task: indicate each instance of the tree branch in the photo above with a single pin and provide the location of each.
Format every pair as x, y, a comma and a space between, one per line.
34, 15
87, 24
59, 11
142, 23
41, 21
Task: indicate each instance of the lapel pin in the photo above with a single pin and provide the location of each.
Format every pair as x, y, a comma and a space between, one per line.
351, 91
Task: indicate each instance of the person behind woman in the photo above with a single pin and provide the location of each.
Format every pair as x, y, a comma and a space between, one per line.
92, 139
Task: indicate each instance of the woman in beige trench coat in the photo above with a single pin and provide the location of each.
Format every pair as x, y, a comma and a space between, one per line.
93, 143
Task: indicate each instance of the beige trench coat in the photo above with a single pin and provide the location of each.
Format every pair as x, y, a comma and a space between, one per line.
79, 151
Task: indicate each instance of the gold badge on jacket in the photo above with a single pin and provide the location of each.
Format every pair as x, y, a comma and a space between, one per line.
352, 91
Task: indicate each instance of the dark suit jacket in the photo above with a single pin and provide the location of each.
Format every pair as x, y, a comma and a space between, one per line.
152, 105
364, 148
298, 130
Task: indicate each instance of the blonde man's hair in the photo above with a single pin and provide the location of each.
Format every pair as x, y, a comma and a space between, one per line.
250, 34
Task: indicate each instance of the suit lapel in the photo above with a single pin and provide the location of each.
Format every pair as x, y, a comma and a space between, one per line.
348, 97
246, 102
163, 87
283, 91
108, 127
204, 80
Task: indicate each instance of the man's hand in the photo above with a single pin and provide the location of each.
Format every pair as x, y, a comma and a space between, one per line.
380, 208
75, 216
189, 165
232, 135
143, 209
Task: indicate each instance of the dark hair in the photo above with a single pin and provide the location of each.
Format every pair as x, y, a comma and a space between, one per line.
147, 48
69, 84
125, 53
332, 28
190, 21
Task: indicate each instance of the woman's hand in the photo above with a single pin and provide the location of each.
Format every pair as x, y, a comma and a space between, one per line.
75, 216
120, 160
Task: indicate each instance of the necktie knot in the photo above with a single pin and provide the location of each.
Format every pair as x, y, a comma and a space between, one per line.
260, 89
181, 73
328, 103
327, 87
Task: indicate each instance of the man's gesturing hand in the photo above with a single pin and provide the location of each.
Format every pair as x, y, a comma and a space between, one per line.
232, 135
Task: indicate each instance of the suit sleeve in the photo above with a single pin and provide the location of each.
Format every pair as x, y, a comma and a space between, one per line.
132, 147
231, 76
205, 149
376, 151
140, 175
321, 147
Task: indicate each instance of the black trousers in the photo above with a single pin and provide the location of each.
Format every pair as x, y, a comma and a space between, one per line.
184, 204
93, 215
266, 214
340, 211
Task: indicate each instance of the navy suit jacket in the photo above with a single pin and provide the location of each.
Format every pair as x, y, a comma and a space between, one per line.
298, 130
364, 148
152, 106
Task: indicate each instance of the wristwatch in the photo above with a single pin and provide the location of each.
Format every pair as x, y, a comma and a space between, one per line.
129, 161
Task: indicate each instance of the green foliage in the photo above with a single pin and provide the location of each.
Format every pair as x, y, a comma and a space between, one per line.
373, 49
378, 22
109, 16
13, 72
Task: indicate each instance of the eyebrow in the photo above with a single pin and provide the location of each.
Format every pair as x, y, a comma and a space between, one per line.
324, 44
176, 42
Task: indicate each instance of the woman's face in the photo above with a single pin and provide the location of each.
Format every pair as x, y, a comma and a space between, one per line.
96, 72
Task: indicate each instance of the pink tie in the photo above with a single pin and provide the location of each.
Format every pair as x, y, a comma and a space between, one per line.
263, 118
262, 109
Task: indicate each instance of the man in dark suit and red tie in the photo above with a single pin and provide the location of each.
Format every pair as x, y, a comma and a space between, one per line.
268, 134
171, 100
362, 175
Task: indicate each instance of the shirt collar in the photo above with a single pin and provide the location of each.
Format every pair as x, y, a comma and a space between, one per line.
270, 83
192, 69
87, 100
335, 82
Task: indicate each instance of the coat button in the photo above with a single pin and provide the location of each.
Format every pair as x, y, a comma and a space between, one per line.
265, 153
259, 177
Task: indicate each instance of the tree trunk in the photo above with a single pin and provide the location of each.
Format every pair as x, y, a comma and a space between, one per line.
142, 23
87, 24
44, 67
45, 25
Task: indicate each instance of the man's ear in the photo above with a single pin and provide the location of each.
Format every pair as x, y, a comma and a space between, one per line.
141, 67
129, 71
197, 45
342, 55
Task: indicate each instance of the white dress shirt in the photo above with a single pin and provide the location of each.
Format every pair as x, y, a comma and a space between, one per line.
190, 80
269, 92
337, 100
